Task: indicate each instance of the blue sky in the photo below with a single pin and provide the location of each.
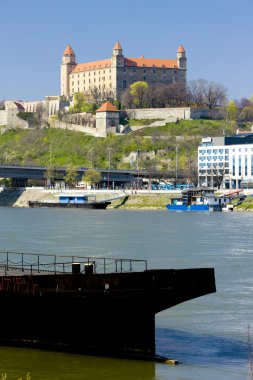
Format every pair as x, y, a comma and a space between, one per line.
217, 36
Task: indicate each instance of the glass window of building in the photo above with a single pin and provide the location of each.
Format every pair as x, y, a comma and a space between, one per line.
226, 158
209, 151
226, 151
215, 151
246, 166
221, 151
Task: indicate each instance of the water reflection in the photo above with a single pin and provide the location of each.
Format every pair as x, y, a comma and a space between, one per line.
16, 362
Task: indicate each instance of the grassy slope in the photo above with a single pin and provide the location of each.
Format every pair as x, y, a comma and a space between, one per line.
33, 146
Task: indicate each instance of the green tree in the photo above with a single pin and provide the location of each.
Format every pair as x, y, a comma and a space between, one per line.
51, 175
139, 91
80, 104
71, 175
91, 176
247, 114
232, 111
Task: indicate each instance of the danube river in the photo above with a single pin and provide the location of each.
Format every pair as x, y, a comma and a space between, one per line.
207, 335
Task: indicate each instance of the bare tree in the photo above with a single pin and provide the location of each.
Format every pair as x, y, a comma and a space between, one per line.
127, 99
207, 94
40, 111
214, 95
196, 89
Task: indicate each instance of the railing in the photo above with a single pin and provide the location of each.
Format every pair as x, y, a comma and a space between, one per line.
32, 263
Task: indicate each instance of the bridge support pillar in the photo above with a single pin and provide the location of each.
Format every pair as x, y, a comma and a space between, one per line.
19, 182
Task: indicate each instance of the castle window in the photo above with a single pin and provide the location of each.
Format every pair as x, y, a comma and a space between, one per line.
78, 82
72, 83
94, 72
164, 72
83, 75
89, 74
144, 78
99, 86
110, 71
124, 83
89, 80
110, 77
84, 81
78, 75
175, 71
104, 71
134, 70
144, 70
99, 72
72, 90
94, 80
154, 71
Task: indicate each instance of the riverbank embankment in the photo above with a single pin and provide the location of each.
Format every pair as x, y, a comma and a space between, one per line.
137, 199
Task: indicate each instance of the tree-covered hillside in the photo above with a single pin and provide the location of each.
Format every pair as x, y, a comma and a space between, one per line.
156, 146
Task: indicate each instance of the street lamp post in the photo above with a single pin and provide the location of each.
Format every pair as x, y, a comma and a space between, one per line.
109, 166
176, 162
138, 172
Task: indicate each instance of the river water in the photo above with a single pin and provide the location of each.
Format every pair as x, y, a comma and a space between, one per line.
207, 335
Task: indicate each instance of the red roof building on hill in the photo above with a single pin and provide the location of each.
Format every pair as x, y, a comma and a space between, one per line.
112, 76
107, 107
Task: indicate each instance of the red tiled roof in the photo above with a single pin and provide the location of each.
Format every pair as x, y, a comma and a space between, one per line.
181, 49
107, 106
151, 62
69, 51
117, 46
92, 65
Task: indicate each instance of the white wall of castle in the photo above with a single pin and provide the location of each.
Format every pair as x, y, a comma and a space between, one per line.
103, 79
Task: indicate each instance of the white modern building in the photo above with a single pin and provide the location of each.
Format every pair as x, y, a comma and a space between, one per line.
226, 162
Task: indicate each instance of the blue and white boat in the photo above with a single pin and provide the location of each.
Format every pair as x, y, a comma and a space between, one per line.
200, 199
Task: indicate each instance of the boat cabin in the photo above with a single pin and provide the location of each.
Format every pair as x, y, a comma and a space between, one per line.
76, 198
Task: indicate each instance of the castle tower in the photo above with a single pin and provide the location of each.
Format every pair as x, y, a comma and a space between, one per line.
181, 57
67, 65
107, 120
117, 56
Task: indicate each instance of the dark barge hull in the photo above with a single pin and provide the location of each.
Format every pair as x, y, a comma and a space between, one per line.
103, 314
86, 205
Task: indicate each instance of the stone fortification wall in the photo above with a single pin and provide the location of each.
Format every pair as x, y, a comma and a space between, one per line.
11, 120
173, 113
3, 117
73, 127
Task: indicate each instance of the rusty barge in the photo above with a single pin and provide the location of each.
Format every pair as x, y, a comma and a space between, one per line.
96, 306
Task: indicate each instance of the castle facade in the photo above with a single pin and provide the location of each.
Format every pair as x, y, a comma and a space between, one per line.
111, 77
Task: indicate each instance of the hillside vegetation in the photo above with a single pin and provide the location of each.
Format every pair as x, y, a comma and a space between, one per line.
156, 146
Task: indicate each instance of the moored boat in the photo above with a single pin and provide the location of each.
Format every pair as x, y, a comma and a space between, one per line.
97, 306
73, 201
200, 199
